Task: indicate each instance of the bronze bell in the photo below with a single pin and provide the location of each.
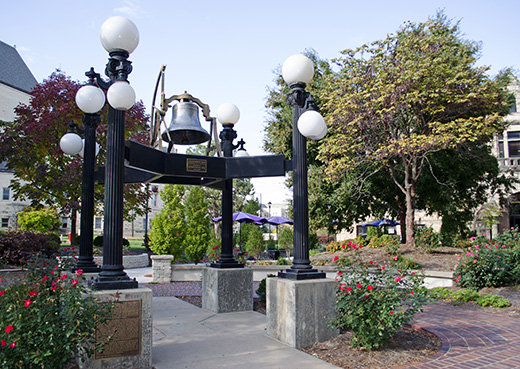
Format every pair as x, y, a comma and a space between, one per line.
185, 128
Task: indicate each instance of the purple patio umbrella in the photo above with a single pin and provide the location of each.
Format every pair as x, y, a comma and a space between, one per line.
381, 222
276, 220
242, 217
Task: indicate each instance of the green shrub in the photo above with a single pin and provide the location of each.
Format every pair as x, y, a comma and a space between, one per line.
403, 262
286, 240
283, 261
49, 318
427, 239
255, 242
509, 237
440, 293
463, 296
360, 241
261, 291
374, 232
484, 266
334, 246
492, 301
98, 241
390, 243
375, 301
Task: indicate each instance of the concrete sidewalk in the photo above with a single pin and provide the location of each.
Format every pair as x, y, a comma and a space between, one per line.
185, 336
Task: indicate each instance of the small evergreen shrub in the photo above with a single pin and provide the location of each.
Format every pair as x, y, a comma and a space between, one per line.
261, 291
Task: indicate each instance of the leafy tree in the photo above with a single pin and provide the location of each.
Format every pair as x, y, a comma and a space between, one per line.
198, 228
255, 244
396, 101
286, 240
168, 226
43, 220
42, 173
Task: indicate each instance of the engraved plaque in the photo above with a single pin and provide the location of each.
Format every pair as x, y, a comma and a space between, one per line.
126, 323
197, 165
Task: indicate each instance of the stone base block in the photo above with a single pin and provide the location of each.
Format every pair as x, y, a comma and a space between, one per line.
131, 345
298, 311
227, 290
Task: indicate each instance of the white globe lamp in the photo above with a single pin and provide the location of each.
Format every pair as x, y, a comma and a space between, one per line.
241, 153
119, 33
82, 151
120, 95
228, 113
90, 99
297, 68
312, 125
71, 143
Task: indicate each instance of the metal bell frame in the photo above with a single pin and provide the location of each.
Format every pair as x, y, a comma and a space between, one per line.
159, 113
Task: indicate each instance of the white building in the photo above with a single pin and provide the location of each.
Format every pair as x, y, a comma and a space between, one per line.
16, 83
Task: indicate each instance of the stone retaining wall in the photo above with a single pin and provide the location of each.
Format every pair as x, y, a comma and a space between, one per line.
129, 261
163, 271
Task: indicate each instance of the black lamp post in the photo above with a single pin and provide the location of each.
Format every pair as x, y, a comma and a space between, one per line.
71, 144
119, 36
297, 71
228, 115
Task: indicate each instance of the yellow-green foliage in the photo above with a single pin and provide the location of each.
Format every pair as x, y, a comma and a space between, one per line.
334, 246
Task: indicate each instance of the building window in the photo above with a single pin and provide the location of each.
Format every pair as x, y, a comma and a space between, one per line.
64, 222
97, 223
144, 224
513, 107
154, 199
5, 222
513, 143
5, 193
361, 231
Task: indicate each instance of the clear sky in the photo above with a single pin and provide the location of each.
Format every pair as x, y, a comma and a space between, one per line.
226, 51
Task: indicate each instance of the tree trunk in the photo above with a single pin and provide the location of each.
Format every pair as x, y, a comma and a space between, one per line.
402, 224
410, 217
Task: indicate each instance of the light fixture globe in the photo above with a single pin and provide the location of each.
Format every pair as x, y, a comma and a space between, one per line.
82, 151
312, 125
71, 143
90, 99
121, 96
228, 113
241, 153
119, 33
297, 68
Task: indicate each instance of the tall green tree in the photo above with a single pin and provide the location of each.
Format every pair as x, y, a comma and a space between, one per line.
168, 231
198, 227
396, 101
43, 174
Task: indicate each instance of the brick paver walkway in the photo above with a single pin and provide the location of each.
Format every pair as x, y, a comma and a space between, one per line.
470, 339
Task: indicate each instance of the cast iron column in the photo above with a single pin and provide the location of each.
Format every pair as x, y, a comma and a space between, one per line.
227, 260
112, 275
86, 260
300, 100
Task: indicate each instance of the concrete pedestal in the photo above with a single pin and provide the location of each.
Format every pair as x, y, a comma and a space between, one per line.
131, 345
227, 290
298, 312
